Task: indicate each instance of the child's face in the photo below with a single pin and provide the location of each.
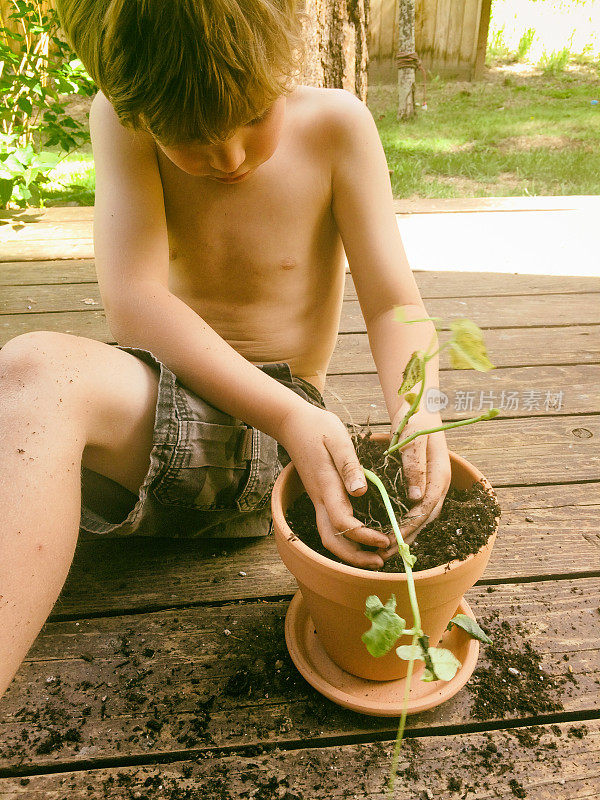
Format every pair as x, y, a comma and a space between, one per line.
235, 159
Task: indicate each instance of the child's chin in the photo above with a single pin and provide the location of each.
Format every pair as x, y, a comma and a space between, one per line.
240, 179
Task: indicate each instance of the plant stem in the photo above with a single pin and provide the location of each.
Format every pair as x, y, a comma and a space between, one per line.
446, 426
413, 408
402, 723
404, 551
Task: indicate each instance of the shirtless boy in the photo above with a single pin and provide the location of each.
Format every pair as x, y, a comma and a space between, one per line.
225, 198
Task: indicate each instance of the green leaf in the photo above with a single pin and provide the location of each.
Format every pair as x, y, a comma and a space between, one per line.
470, 626
467, 348
408, 651
386, 626
404, 551
445, 663
24, 105
6, 190
413, 373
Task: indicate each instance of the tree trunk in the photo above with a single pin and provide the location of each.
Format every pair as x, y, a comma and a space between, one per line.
406, 44
336, 35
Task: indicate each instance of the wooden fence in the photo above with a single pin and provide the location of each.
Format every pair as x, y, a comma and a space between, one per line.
450, 36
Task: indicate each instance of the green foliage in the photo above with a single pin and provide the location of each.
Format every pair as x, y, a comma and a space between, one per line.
470, 626
22, 171
525, 43
554, 62
442, 666
37, 68
386, 626
467, 348
412, 374
497, 49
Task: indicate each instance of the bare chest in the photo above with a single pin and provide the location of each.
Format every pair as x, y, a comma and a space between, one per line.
251, 242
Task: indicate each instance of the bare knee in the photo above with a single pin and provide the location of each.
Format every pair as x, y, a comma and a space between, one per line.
38, 374
35, 356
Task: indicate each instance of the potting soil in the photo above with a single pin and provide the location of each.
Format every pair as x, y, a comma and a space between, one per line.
466, 521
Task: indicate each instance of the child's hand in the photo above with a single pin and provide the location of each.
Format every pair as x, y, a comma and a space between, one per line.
322, 451
426, 467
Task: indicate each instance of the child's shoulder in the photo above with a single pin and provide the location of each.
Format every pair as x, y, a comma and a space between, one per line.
327, 102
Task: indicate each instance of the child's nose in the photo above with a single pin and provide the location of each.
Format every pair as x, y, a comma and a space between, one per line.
228, 157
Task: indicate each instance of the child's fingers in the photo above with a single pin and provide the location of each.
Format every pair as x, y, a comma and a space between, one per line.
349, 551
390, 550
438, 475
346, 462
414, 466
342, 519
409, 539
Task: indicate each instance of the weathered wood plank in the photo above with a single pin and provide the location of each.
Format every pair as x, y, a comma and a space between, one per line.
488, 312
470, 31
456, 28
56, 236
431, 284
84, 323
67, 214
509, 347
544, 530
560, 766
458, 205
177, 668
517, 391
52, 214
386, 31
67, 297
49, 298
442, 25
425, 18
38, 273
36, 249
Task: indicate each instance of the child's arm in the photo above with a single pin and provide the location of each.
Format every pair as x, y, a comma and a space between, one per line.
364, 213
132, 262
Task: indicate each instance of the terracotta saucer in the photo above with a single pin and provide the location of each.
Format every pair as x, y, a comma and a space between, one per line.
377, 698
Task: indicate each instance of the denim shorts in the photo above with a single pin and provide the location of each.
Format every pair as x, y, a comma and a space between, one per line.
210, 475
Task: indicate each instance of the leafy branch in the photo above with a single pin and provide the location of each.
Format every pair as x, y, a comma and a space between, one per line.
467, 351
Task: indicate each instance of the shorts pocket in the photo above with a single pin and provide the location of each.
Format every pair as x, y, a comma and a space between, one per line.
217, 467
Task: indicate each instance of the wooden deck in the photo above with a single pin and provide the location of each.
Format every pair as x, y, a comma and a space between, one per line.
140, 626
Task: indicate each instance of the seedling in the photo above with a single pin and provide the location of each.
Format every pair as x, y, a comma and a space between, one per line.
467, 351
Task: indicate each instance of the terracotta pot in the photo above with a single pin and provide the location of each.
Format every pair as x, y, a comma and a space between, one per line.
335, 593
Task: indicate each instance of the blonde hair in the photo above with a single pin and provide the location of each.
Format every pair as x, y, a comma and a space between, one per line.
187, 70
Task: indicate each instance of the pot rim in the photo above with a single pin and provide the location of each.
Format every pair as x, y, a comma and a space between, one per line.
283, 530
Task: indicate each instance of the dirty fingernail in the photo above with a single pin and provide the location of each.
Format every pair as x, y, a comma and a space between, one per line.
357, 484
415, 493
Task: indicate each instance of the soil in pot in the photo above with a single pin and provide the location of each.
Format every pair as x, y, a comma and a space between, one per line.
466, 521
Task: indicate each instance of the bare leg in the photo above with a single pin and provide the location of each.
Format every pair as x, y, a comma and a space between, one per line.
62, 399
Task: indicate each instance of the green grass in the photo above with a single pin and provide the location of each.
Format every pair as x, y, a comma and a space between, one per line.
554, 62
521, 135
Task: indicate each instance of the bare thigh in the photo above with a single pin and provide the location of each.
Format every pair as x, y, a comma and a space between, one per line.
115, 396
127, 399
